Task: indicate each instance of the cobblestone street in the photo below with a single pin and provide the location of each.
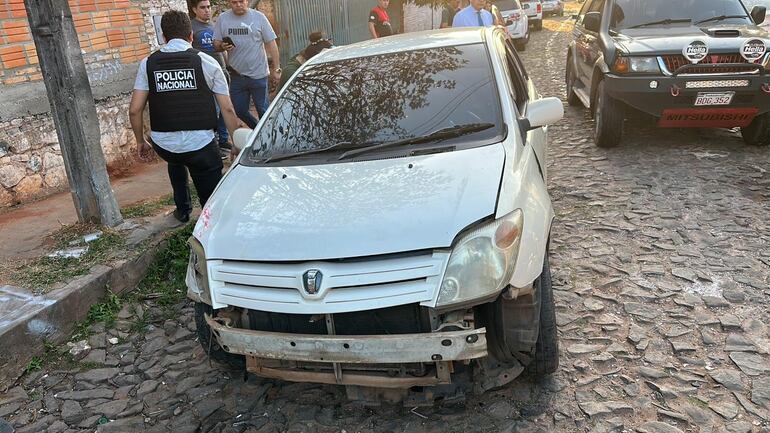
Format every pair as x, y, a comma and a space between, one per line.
661, 263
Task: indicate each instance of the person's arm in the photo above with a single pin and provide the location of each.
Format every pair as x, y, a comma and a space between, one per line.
271, 48
372, 30
136, 115
220, 46
228, 112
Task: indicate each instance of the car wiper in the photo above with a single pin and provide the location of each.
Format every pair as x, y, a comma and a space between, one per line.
440, 135
720, 18
277, 158
666, 21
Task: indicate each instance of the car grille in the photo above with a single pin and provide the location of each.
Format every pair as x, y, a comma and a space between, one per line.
348, 285
676, 61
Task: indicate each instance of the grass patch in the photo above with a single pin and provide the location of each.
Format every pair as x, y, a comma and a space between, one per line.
42, 273
147, 208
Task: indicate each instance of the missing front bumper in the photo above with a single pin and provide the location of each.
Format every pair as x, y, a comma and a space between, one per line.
439, 348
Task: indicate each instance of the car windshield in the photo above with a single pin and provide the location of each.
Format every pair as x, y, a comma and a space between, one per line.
643, 13
337, 108
507, 5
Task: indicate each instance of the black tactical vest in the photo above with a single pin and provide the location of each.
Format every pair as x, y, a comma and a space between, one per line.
180, 99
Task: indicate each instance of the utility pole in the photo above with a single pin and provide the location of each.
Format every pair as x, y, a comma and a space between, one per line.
73, 110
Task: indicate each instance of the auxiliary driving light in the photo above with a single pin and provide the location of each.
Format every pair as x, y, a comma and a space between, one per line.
653, 84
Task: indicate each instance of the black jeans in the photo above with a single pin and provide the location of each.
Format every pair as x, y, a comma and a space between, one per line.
205, 166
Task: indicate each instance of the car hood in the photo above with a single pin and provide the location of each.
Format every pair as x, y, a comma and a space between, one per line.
672, 39
353, 209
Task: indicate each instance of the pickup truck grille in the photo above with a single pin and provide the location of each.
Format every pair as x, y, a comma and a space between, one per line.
347, 285
676, 61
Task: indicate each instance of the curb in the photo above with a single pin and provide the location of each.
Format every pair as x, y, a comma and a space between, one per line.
60, 310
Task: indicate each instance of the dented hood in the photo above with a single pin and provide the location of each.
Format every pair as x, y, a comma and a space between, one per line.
352, 209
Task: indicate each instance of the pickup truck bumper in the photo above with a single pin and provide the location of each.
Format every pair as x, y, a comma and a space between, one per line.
672, 98
337, 351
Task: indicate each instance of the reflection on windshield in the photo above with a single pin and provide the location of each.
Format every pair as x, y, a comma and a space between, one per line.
383, 98
630, 13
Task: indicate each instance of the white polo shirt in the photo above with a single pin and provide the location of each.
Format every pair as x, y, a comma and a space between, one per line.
185, 141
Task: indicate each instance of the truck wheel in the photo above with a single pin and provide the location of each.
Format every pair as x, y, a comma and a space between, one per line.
572, 97
546, 359
524, 329
608, 118
538, 25
204, 336
758, 131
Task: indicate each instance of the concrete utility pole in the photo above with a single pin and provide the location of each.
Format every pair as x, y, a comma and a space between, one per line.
73, 110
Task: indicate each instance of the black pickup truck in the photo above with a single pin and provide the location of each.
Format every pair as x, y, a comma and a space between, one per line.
689, 63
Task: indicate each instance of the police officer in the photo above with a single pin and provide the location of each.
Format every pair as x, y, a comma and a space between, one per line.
182, 85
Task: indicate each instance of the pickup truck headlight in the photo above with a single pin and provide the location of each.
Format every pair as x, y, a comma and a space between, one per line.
636, 65
481, 262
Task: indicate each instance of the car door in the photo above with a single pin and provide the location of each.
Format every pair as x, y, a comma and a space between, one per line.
521, 92
589, 45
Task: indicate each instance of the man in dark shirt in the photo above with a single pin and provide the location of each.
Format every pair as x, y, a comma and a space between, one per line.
379, 21
203, 40
448, 13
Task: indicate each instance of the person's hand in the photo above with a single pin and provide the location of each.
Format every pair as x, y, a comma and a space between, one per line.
234, 153
275, 76
144, 149
227, 46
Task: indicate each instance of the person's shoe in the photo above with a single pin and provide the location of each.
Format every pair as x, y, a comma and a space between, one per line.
181, 217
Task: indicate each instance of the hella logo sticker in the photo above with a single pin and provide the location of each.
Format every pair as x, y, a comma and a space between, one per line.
695, 51
753, 50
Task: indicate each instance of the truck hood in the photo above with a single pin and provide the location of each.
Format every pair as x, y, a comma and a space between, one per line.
352, 209
672, 39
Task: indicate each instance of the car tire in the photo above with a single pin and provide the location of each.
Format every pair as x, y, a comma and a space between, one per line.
608, 118
546, 360
572, 97
521, 47
537, 25
758, 131
215, 352
524, 329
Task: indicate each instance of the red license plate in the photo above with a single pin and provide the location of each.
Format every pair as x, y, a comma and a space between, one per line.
706, 117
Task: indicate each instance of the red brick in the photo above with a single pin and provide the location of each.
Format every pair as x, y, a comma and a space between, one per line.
118, 19
15, 24
12, 52
15, 80
10, 64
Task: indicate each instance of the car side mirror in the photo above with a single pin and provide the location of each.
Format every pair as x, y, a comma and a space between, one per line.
241, 137
592, 21
543, 112
758, 14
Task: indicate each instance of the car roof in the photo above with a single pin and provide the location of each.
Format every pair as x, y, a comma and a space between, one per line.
404, 42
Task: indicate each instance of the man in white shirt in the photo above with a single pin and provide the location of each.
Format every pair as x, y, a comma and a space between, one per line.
473, 15
183, 86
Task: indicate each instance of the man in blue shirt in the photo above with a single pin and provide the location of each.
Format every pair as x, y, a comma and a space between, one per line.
473, 15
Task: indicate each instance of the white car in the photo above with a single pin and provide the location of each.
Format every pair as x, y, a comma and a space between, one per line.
553, 7
516, 22
387, 222
534, 11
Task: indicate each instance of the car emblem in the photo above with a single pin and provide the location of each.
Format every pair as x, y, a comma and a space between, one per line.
311, 280
695, 51
753, 50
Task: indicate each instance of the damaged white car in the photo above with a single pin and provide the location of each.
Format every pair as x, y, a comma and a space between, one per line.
387, 223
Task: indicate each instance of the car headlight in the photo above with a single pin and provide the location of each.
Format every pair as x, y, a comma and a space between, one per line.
481, 263
636, 65
197, 278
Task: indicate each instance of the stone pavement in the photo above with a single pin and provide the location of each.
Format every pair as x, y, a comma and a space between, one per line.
661, 267
24, 229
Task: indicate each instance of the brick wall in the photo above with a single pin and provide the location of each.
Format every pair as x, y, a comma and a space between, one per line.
114, 35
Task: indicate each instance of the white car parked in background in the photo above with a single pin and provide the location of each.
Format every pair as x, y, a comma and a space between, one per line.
387, 229
516, 22
553, 7
534, 11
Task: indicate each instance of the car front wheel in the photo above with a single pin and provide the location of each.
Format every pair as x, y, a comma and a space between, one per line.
572, 97
608, 118
208, 342
758, 131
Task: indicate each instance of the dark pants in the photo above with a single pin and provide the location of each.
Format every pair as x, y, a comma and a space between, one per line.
205, 168
245, 89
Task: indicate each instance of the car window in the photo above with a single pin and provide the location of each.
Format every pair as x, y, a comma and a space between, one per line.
630, 13
518, 75
584, 10
597, 6
507, 5
384, 98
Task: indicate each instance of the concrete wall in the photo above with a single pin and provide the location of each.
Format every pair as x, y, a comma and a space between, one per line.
114, 35
418, 18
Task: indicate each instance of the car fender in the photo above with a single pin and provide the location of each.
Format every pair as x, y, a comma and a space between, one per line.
600, 68
523, 187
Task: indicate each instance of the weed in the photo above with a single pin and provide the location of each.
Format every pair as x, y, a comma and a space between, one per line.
105, 311
34, 364
148, 208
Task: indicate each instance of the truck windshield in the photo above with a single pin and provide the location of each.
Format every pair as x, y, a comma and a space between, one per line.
642, 13
339, 107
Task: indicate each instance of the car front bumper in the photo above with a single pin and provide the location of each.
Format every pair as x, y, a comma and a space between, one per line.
672, 98
439, 348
